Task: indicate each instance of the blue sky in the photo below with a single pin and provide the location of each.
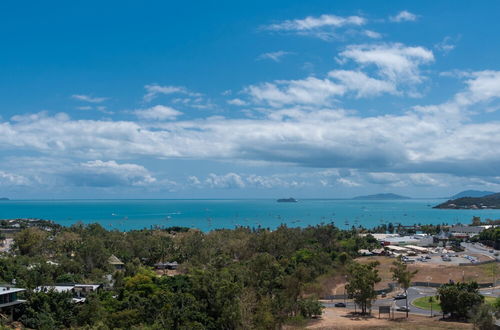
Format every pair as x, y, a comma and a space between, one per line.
127, 99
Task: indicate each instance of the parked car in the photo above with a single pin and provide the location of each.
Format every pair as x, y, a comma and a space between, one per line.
403, 309
400, 296
339, 304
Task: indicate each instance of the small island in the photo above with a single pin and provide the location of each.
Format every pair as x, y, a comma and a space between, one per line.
387, 196
287, 200
465, 203
4, 199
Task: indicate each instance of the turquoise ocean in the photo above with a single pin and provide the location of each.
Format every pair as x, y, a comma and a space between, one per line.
212, 214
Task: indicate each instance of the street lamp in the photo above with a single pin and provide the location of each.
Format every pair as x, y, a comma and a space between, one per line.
345, 295
431, 299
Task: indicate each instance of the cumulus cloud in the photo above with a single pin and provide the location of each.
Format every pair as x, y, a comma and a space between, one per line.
240, 181
11, 179
372, 34
395, 61
397, 68
482, 87
403, 16
88, 98
306, 91
427, 139
237, 101
158, 112
100, 173
311, 23
361, 83
153, 90
274, 56
323, 27
229, 180
446, 45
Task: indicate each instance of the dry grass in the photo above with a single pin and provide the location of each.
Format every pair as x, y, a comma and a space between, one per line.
341, 319
436, 273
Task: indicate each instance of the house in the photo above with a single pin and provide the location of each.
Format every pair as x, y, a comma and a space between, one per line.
79, 291
364, 252
116, 263
166, 265
9, 298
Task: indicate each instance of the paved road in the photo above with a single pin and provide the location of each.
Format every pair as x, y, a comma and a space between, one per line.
413, 293
480, 249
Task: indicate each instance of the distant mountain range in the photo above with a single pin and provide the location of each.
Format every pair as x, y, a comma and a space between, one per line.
491, 201
4, 199
388, 196
472, 193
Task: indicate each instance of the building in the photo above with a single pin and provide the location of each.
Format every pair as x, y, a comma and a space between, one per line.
79, 291
166, 265
415, 240
115, 262
461, 231
9, 298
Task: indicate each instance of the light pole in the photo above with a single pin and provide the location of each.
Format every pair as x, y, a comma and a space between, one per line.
345, 294
431, 299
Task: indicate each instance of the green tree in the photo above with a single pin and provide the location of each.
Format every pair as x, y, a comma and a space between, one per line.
361, 283
458, 299
30, 241
403, 276
483, 317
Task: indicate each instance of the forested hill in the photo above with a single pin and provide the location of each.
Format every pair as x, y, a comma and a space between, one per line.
487, 202
382, 197
472, 193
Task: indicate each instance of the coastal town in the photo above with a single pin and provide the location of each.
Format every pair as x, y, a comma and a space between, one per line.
452, 254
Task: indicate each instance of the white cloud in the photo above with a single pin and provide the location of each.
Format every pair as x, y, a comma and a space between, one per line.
158, 112
240, 181
372, 34
360, 83
237, 101
88, 98
10, 179
403, 16
153, 90
229, 180
429, 139
85, 107
307, 91
347, 182
275, 56
395, 62
324, 27
100, 173
446, 45
482, 86
311, 23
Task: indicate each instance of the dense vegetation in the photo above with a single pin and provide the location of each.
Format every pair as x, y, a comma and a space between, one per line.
228, 279
490, 237
489, 201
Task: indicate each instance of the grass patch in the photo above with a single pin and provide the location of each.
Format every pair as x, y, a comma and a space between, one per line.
489, 300
424, 303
